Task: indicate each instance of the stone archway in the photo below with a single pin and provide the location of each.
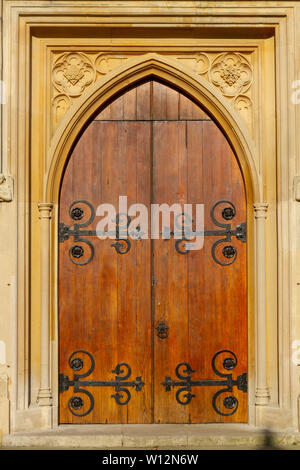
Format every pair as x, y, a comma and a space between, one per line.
153, 65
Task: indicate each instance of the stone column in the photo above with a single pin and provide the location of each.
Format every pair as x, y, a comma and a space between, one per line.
262, 393
45, 394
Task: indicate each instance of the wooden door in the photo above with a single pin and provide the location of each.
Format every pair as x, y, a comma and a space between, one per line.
151, 331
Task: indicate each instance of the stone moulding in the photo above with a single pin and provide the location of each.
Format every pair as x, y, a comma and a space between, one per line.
74, 72
127, 74
163, 67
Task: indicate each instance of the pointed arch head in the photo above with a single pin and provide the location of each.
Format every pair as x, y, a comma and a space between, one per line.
173, 73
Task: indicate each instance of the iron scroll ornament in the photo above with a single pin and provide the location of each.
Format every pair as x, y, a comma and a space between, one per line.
228, 251
122, 245
226, 231
184, 395
120, 384
79, 233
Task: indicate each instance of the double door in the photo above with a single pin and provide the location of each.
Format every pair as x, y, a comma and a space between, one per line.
152, 330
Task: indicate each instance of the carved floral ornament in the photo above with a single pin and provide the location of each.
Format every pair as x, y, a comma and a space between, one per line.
199, 62
231, 73
74, 72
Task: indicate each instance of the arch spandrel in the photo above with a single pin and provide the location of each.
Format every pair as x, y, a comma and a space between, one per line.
131, 72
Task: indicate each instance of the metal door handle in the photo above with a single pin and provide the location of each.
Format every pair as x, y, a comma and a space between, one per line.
162, 330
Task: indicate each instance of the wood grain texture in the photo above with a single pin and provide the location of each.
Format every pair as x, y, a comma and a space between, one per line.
154, 145
155, 102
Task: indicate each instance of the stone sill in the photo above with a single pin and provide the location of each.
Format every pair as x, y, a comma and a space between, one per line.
153, 436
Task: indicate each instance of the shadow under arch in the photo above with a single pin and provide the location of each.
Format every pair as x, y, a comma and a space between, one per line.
151, 66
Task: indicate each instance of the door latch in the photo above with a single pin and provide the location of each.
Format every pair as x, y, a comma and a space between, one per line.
162, 330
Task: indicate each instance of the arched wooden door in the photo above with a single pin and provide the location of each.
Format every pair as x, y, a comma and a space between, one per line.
150, 331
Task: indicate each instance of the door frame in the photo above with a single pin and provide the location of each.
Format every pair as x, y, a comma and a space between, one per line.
32, 35
155, 66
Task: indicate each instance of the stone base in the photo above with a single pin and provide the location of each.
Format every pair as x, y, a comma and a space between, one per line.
153, 436
37, 417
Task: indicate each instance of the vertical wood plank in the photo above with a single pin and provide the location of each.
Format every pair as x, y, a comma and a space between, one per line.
143, 105
130, 105
169, 268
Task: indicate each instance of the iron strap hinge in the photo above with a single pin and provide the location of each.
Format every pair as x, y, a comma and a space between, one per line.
120, 384
184, 371
122, 244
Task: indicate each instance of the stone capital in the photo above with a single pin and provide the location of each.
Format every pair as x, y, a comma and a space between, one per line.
45, 210
260, 210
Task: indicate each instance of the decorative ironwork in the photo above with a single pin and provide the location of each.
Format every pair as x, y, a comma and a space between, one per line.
162, 330
184, 371
226, 231
229, 251
228, 213
77, 213
77, 251
120, 383
230, 402
180, 244
76, 403
79, 233
76, 363
229, 363
122, 245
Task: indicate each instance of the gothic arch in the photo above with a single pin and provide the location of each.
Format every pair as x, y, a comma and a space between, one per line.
73, 123
131, 72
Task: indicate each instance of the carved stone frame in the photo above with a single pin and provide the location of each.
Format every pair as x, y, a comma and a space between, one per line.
37, 155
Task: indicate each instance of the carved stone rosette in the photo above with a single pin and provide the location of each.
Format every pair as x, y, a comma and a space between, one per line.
231, 73
72, 73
